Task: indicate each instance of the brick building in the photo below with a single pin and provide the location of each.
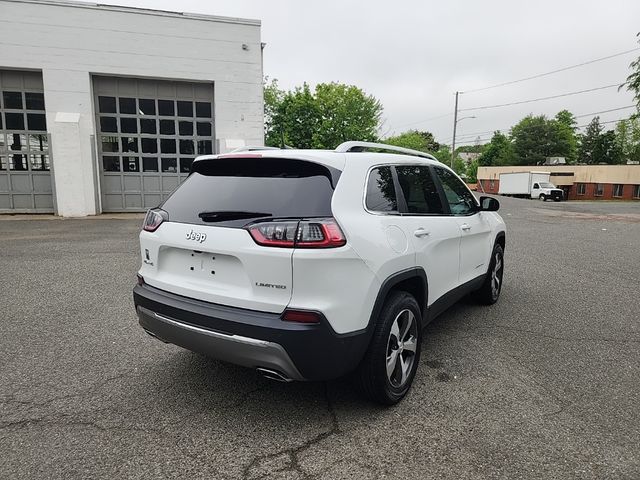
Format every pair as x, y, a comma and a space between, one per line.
579, 182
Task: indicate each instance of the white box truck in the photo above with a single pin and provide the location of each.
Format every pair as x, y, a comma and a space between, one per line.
529, 185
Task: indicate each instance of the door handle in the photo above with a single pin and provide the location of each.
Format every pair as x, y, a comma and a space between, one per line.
465, 227
421, 232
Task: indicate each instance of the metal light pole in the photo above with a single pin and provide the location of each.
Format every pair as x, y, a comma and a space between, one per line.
455, 125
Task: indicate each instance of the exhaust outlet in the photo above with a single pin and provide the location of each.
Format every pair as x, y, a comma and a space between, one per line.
273, 375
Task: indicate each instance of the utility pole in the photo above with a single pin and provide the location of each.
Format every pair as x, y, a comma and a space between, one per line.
455, 124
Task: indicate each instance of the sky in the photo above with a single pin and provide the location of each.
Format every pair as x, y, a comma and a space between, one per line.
414, 55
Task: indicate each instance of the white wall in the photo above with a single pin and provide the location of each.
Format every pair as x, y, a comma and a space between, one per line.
70, 41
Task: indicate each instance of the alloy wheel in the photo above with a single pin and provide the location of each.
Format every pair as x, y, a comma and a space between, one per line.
401, 348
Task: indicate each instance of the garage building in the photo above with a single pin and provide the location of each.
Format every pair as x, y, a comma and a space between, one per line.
104, 108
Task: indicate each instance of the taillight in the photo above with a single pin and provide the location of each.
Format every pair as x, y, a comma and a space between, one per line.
317, 233
154, 219
301, 316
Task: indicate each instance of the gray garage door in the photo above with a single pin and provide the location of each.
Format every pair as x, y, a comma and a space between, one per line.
25, 164
149, 132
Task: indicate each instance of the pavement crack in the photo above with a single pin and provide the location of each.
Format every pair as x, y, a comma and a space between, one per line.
293, 453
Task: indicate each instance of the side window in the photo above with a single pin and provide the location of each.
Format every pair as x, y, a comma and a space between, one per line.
419, 190
461, 200
381, 193
535, 185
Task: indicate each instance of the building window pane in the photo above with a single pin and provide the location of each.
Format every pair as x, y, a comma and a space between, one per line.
109, 144
130, 164
582, 188
185, 165
185, 128
203, 129
167, 145
14, 121
12, 100
166, 108
167, 127
37, 121
3, 163
599, 189
186, 146
185, 109
127, 105
18, 162
111, 164
3, 143
636, 191
38, 142
149, 145
203, 109
17, 141
147, 106
617, 190
34, 100
128, 125
107, 104
129, 144
108, 124
169, 165
147, 125
149, 164
40, 162
205, 147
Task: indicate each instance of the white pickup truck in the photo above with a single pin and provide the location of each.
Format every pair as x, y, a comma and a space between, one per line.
529, 185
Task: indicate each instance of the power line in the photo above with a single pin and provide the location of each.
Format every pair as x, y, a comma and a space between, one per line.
605, 111
424, 121
552, 72
485, 107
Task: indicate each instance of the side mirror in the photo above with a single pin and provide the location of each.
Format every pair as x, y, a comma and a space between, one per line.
489, 204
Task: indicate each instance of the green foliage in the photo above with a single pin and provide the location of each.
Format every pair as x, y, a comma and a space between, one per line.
536, 137
628, 139
416, 140
443, 154
597, 146
472, 171
498, 152
633, 80
323, 118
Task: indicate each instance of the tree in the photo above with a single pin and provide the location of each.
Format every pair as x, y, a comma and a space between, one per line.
628, 139
633, 80
536, 138
323, 118
498, 152
565, 125
416, 140
598, 147
472, 171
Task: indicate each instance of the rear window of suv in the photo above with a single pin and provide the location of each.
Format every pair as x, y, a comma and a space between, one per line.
218, 191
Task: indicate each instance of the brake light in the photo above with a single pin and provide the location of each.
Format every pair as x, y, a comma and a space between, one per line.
317, 233
154, 219
301, 316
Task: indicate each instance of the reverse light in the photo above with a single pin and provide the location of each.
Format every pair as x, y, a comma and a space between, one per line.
154, 219
317, 233
301, 316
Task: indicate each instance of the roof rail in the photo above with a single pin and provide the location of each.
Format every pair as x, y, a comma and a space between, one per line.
362, 146
254, 148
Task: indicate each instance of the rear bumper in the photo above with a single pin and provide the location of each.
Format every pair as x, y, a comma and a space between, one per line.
249, 338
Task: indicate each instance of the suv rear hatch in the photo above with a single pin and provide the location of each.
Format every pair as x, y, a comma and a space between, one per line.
203, 248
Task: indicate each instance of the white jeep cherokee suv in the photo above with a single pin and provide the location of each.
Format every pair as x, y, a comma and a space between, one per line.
308, 265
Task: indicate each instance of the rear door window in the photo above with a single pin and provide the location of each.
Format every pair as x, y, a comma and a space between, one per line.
381, 193
420, 191
232, 192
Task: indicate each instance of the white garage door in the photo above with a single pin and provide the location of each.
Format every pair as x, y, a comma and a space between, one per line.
149, 132
25, 163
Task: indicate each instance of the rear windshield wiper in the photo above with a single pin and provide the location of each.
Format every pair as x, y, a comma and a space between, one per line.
221, 216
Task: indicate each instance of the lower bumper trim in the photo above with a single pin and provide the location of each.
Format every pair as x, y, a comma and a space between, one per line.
244, 351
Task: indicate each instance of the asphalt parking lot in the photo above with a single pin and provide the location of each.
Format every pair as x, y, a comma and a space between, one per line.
544, 384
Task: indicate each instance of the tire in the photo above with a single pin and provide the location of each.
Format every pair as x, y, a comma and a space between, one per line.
543, 197
489, 293
389, 346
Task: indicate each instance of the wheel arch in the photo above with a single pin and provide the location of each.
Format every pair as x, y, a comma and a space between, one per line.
501, 239
413, 280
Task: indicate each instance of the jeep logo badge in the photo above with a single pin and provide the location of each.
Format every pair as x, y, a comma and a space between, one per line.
198, 237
